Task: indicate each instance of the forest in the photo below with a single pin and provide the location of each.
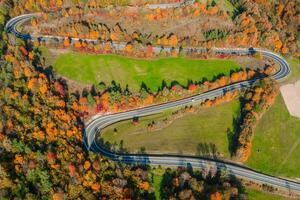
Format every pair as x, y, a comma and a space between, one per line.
42, 121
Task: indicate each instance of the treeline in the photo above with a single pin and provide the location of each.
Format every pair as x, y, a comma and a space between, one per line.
42, 152
3, 18
268, 24
55, 5
208, 184
255, 102
113, 98
131, 49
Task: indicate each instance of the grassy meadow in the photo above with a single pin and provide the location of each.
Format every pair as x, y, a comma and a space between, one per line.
93, 69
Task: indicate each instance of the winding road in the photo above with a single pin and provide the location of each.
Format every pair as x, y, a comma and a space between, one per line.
98, 122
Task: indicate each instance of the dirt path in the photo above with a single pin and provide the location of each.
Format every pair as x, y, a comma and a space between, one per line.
291, 96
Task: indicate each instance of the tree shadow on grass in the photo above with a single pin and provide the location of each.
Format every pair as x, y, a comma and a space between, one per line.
232, 137
205, 149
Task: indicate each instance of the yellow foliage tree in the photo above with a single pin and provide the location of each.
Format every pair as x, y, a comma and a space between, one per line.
128, 49
19, 159
235, 77
66, 42
39, 135
78, 44
173, 41
58, 196
113, 36
43, 88
95, 187
87, 165
285, 50
144, 185
278, 45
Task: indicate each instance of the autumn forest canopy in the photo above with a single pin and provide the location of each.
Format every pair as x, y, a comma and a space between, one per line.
104, 57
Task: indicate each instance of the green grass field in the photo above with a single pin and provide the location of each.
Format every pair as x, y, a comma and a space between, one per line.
295, 69
261, 195
92, 69
276, 144
182, 136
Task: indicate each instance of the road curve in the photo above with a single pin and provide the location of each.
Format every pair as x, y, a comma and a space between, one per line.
94, 126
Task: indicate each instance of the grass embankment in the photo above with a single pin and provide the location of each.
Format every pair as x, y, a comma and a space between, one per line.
295, 69
92, 69
276, 144
183, 136
261, 195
